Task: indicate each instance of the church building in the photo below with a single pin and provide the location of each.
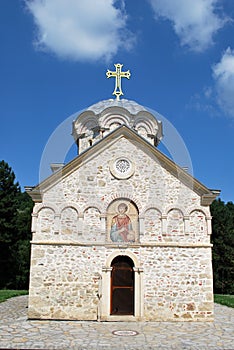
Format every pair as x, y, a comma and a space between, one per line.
121, 232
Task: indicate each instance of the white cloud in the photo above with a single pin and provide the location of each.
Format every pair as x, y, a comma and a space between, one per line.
194, 21
81, 30
223, 73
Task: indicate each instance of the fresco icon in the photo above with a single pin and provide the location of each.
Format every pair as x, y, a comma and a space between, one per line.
122, 223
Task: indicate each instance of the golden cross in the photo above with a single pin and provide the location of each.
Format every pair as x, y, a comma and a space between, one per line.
118, 74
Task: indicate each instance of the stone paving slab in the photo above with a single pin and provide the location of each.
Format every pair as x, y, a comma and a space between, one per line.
16, 332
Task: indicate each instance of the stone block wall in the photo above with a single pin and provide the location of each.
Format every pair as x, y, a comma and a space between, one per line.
66, 282
177, 283
71, 243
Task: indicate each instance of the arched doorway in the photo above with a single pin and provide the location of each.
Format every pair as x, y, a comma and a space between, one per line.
122, 286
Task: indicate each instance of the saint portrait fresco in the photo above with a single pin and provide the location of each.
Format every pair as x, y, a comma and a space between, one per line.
123, 222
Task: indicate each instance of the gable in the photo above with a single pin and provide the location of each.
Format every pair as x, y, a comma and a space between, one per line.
148, 161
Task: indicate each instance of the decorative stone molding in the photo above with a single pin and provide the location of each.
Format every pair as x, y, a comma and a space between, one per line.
173, 207
70, 205
164, 224
80, 223
92, 205
36, 195
197, 209
122, 250
141, 225
103, 223
209, 225
51, 206
207, 199
34, 223
126, 252
122, 168
125, 195
186, 225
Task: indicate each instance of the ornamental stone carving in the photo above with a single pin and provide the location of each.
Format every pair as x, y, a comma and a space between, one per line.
122, 168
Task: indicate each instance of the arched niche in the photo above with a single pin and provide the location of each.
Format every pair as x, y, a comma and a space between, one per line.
153, 226
69, 220
198, 226
175, 224
92, 231
46, 222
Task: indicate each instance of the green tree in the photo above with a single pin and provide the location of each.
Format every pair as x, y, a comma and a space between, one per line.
9, 190
223, 246
21, 248
15, 219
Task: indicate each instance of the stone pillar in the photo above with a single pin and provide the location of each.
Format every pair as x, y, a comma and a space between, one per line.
57, 221
141, 226
164, 225
34, 223
186, 225
105, 298
138, 289
103, 224
80, 224
208, 222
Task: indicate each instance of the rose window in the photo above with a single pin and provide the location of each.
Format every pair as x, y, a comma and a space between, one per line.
122, 168
122, 165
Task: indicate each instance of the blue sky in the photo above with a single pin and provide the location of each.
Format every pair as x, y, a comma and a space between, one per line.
54, 55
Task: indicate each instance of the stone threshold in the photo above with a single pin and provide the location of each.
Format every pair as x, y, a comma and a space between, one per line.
120, 318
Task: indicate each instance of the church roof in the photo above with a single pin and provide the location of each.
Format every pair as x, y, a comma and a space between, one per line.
132, 106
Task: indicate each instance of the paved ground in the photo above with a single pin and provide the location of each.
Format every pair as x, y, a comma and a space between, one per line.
16, 332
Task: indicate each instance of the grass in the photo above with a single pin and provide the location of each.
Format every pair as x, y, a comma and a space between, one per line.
227, 300
7, 293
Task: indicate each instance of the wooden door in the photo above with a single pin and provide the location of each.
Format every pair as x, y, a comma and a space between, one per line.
122, 286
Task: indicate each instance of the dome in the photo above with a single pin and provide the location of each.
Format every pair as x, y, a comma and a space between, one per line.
105, 116
132, 106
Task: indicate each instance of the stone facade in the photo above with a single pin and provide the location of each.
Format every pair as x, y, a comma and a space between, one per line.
73, 244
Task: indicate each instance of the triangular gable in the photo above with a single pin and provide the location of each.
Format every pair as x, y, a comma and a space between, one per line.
207, 196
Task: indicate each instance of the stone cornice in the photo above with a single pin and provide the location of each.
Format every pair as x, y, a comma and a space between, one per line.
125, 246
207, 199
36, 195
